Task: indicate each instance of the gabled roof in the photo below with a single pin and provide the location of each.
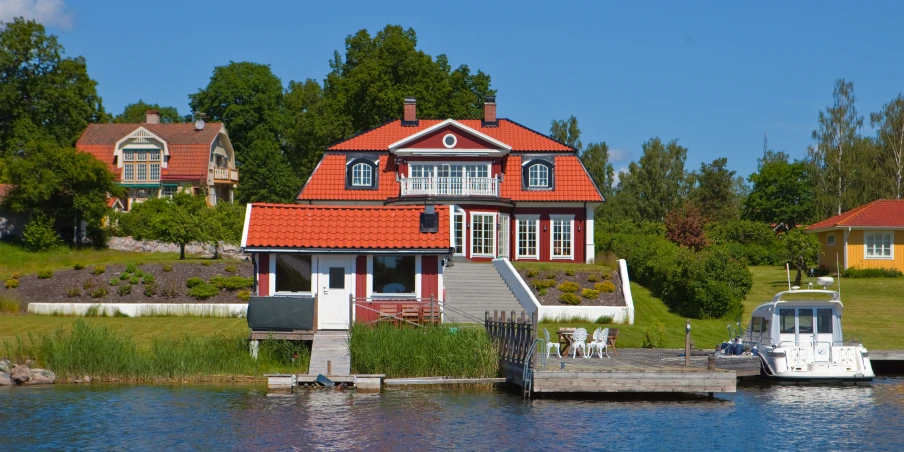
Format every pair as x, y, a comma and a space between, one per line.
518, 137
449, 122
887, 213
327, 182
571, 180
387, 228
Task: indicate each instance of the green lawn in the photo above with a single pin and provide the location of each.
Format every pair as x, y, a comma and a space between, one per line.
142, 329
14, 259
543, 266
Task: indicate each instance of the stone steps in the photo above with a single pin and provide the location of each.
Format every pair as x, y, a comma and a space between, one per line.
474, 288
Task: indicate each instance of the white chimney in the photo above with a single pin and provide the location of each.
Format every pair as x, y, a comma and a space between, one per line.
152, 117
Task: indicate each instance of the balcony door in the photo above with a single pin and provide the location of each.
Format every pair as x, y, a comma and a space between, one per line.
450, 179
483, 234
503, 238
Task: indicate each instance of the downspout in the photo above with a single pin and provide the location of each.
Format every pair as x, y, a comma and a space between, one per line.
846, 234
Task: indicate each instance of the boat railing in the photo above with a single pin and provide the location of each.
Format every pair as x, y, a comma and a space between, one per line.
853, 342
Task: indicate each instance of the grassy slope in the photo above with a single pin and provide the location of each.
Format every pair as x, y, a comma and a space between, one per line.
15, 259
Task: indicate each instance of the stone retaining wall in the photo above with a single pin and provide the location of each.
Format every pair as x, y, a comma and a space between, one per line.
227, 251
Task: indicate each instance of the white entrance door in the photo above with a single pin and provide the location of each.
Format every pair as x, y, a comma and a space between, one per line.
503, 235
824, 323
332, 298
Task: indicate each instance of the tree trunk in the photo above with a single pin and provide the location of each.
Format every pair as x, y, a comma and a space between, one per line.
797, 278
181, 251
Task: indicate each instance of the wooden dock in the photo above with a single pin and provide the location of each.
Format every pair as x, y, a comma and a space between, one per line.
329, 354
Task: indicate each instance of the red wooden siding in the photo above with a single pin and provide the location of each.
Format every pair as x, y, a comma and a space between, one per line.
361, 276
263, 275
464, 140
429, 277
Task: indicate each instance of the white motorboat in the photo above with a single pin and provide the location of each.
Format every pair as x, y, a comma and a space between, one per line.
800, 340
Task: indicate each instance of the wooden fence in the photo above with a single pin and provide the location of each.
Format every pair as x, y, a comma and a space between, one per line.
403, 311
513, 336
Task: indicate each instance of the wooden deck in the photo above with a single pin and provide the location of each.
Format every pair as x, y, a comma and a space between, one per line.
329, 354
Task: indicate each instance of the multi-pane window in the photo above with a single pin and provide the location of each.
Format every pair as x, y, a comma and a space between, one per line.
538, 175
561, 229
170, 190
362, 175
482, 234
878, 245
458, 231
527, 237
141, 166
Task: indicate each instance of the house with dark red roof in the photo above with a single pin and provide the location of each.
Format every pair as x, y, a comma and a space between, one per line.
154, 160
383, 210
869, 236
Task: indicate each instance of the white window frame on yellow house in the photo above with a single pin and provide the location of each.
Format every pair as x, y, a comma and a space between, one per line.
881, 255
830, 239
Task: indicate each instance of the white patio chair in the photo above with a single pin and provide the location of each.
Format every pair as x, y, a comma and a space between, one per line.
550, 344
600, 342
578, 341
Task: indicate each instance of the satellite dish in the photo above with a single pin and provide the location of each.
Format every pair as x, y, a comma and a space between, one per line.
199, 124
825, 281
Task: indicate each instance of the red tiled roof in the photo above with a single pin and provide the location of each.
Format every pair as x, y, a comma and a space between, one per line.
4, 189
328, 182
343, 227
572, 183
189, 148
520, 138
880, 213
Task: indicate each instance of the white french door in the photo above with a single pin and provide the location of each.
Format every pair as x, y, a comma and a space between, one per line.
483, 234
503, 239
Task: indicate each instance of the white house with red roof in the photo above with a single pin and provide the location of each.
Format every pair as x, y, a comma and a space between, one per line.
869, 236
156, 160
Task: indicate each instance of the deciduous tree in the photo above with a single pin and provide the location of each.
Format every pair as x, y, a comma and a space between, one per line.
684, 226
802, 250
137, 113
782, 192
834, 157
889, 125
177, 220
714, 192
657, 182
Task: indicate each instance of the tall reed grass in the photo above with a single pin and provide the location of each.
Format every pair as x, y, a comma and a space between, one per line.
422, 352
102, 352
9, 304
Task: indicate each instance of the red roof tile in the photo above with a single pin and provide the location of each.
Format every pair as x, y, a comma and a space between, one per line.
343, 227
189, 148
4, 189
520, 138
572, 183
328, 182
887, 213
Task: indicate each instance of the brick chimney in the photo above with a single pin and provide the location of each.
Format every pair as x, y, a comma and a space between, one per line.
489, 112
410, 115
152, 117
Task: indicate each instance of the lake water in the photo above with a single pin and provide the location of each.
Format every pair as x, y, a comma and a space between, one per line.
245, 418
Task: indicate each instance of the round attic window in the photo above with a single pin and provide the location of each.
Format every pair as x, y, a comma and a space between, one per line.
449, 140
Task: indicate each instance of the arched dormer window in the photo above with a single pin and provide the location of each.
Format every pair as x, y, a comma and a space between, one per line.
361, 174
537, 175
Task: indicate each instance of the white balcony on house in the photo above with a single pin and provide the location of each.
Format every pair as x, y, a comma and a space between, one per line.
225, 175
450, 186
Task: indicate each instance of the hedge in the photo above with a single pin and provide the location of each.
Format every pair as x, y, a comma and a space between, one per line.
854, 272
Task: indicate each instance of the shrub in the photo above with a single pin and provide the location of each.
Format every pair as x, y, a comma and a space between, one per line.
593, 278
134, 280
78, 266
139, 273
654, 338
230, 268
684, 226
551, 276
542, 291
89, 284
12, 283
590, 294
167, 267
871, 273
15, 275
149, 278
99, 270
203, 291
125, 289
569, 287
569, 272
170, 291
533, 273
114, 282
73, 292
238, 282
150, 289
131, 268
99, 292
243, 295
603, 320
45, 274
205, 263
39, 234
124, 276
193, 281
570, 298
605, 287
543, 283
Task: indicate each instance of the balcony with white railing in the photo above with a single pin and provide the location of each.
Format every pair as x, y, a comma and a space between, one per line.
450, 186
225, 175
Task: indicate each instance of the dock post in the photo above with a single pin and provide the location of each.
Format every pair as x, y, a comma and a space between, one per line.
687, 344
711, 363
329, 367
253, 347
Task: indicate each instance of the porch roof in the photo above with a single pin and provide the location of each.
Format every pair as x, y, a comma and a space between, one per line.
360, 228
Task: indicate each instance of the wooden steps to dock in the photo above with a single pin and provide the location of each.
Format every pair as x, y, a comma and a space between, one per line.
329, 354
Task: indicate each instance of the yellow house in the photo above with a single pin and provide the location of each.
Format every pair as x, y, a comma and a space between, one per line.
869, 236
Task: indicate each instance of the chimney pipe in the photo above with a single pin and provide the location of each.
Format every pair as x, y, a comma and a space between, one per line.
152, 117
489, 112
410, 115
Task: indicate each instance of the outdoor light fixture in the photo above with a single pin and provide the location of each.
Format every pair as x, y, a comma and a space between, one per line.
687, 327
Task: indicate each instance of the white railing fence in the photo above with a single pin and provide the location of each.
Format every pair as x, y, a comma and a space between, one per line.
450, 186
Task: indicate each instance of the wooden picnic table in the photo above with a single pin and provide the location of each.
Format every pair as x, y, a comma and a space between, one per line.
565, 337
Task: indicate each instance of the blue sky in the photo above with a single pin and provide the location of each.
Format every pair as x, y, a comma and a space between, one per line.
714, 75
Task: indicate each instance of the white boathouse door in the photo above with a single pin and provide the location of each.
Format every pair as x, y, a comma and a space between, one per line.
332, 298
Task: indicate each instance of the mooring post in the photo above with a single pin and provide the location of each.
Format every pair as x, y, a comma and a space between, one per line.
711, 362
687, 344
329, 367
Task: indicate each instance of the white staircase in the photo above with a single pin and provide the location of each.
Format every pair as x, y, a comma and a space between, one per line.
472, 288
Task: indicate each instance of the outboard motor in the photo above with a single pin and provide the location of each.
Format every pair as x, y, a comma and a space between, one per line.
738, 346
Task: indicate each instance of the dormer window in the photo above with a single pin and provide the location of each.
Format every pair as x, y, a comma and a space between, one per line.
361, 174
141, 165
537, 175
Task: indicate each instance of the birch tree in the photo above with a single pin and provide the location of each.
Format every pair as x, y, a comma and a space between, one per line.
834, 155
889, 125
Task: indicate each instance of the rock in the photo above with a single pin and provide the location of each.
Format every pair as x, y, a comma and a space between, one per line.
20, 374
5, 380
41, 377
5, 366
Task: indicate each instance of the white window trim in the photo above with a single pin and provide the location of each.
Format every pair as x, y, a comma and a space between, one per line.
454, 140
570, 219
380, 295
464, 226
524, 219
831, 235
368, 171
314, 278
437, 163
492, 253
530, 177
879, 258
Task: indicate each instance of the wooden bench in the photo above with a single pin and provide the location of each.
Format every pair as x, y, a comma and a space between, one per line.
610, 341
389, 313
